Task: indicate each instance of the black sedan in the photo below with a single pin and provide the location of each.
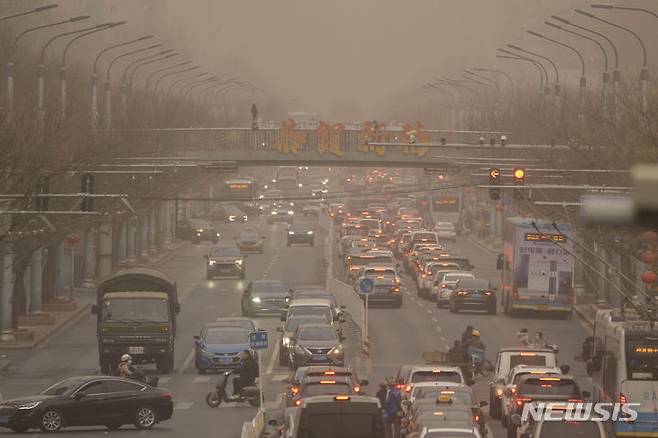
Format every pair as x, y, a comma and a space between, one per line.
301, 233
196, 230
475, 294
88, 401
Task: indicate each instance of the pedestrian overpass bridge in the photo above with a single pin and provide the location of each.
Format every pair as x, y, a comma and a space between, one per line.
336, 145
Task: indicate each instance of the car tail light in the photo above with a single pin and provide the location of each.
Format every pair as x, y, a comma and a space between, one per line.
298, 402
342, 398
576, 400
477, 418
520, 401
396, 289
499, 392
357, 389
327, 382
167, 396
294, 390
330, 373
407, 388
462, 293
487, 293
443, 285
399, 386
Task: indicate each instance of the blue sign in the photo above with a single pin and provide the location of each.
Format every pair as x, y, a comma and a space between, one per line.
258, 340
366, 285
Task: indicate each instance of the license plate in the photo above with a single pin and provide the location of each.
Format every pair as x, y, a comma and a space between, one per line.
136, 350
224, 360
4, 420
319, 358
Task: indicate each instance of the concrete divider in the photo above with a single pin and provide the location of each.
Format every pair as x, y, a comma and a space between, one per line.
253, 428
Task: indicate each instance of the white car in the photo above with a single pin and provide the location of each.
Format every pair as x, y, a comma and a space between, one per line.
551, 429
447, 285
437, 277
412, 374
450, 430
429, 388
446, 231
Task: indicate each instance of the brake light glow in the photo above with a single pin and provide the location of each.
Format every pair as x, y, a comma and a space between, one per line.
407, 388
528, 354
167, 396
447, 392
549, 379
357, 389
330, 373
342, 398
521, 400
294, 390
327, 382
298, 402
487, 293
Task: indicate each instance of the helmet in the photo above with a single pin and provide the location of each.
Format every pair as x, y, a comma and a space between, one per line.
126, 358
476, 333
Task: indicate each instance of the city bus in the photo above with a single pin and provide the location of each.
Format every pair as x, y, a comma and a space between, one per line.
446, 206
238, 189
537, 267
624, 365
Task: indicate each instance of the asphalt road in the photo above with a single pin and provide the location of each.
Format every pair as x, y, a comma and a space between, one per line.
398, 335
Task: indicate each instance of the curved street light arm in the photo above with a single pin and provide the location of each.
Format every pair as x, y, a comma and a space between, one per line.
624, 8
597, 42
116, 46
28, 12
101, 28
187, 78
534, 62
144, 64
160, 70
560, 43
500, 72
593, 32
138, 60
173, 73
43, 26
538, 55
123, 55
538, 64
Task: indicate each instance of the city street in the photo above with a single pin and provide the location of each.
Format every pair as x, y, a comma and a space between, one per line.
398, 336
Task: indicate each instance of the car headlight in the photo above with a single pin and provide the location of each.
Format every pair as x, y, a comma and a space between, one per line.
212, 262
337, 350
309, 232
286, 341
291, 232
291, 212
29, 405
231, 218
274, 212
199, 230
217, 234
244, 218
256, 300
238, 262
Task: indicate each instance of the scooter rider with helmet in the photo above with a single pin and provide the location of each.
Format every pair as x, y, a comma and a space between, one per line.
247, 373
125, 367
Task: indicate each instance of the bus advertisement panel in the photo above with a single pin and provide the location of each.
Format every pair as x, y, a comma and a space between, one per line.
446, 206
537, 267
238, 189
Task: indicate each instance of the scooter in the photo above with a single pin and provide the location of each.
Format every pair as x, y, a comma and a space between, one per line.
250, 394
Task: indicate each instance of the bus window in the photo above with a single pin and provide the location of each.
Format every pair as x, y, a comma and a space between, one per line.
642, 358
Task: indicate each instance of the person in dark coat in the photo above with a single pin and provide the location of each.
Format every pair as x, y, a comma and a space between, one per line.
392, 411
468, 334
247, 372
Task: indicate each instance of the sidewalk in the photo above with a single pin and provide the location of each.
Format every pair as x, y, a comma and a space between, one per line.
66, 313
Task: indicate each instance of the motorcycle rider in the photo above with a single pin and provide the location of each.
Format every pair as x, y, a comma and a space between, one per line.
247, 373
475, 346
125, 367
468, 333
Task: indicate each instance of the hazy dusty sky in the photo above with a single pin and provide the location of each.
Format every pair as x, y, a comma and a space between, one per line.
351, 59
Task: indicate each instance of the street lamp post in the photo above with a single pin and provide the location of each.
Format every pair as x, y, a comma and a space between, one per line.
616, 75
583, 79
94, 77
160, 70
41, 68
556, 87
144, 63
189, 87
500, 72
543, 73
12, 52
108, 87
62, 70
644, 71
28, 12
187, 78
606, 75
173, 73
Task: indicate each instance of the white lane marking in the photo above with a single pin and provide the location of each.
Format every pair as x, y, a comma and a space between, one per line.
201, 379
273, 358
188, 361
435, 319
279, 377
181, 406
443, 338
429, 311
164, 379
419, 304
438, 329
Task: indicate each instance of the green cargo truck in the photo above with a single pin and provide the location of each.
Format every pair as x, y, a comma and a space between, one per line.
136, 314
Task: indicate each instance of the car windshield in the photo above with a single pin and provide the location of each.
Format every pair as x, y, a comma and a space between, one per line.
225, 251
538, 360
445, 226
317, 334
346, 424
311, 310
450, 434
379, 273
548, 386
418, 237
325, 389
293, 323
135, 309
242, 323
268, 288
571, 429
249, 235
436, 376
64, 387
219, 336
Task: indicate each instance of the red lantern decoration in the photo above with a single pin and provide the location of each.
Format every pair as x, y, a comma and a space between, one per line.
649, 236
649, 257
649, 277
72, 239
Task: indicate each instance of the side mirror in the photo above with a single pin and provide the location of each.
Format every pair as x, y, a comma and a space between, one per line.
565, 369
341, 338
516, 420
94, 309
484, 403
495, 288
586, 394
341, 320
279, 329
343, 307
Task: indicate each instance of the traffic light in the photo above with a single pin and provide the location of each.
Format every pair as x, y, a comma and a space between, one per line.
87, 186
494, 179
519, 180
